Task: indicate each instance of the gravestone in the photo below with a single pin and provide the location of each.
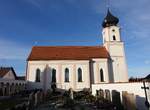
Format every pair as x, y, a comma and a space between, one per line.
71, 93
41, 96
129, 101
97, 92
31, 100
1, 92
24, 107
101, 93
124, 99
116, 100
38, 96
107, 95
36, 99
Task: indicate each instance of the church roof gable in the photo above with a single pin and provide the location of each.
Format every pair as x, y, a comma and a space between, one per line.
67, 53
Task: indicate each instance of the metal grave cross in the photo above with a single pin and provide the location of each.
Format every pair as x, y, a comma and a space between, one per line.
146, 88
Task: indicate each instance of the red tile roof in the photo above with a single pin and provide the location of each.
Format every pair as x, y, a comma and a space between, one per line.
67, 53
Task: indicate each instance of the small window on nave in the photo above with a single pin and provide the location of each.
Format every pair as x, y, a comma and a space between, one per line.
101, 75
114, 37
38, 72
53, 75
79, 75
66, 75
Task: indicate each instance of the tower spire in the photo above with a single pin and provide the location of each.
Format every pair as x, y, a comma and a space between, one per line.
110, 20
108, 4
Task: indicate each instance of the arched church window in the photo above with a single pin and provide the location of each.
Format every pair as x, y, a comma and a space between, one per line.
101, 75
54, 75
79, 75
114, 37
66, 75
38, 72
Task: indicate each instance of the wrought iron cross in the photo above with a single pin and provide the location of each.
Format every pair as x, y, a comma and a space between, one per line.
146, 88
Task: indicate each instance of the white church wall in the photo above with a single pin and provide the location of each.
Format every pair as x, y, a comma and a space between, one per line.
116, 49
117, 64
98, 65
32, 71
85, 76
59, 66
70, 84
134, 88
119, 69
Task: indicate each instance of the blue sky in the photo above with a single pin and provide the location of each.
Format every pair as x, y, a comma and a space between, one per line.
25, 23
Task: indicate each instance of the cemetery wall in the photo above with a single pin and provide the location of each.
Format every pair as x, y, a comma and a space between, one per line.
34, 85
131, 88
10, 87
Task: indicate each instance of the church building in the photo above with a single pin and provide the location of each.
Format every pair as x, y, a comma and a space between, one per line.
79, 67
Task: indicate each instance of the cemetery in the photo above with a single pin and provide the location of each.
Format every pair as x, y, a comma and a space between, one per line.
104, 98
19, 95
130, 96
58, 100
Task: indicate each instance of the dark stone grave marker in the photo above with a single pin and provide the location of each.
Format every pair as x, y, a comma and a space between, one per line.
116, 100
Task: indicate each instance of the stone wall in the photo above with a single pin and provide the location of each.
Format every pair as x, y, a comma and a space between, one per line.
126, 90
10, 87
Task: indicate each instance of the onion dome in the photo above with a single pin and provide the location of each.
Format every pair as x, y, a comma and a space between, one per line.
110, 20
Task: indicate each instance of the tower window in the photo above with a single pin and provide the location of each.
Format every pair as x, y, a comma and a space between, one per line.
113, 30
114, 37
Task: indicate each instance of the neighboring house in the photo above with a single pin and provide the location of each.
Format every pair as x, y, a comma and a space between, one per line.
79, 67
147, 78
7, 73
21, 78
10, 84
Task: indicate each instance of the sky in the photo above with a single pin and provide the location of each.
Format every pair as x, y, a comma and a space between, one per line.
26, 23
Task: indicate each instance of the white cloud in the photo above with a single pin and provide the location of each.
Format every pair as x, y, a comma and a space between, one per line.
12, 50
34, 2
147, 62
139, 71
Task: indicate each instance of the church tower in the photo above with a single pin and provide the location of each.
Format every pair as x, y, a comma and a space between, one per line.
115, 47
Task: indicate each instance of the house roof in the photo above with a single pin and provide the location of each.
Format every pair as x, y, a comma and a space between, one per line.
5, 70
147, 77
67, 53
